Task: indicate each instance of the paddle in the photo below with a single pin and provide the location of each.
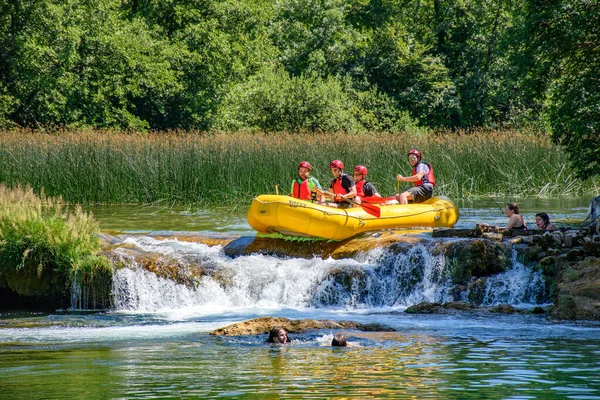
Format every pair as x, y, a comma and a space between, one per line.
369, 208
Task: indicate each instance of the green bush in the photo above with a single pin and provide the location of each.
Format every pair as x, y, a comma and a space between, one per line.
44, 247
273, 100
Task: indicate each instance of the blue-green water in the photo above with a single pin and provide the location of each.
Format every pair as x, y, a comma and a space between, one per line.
156, 343
154, 356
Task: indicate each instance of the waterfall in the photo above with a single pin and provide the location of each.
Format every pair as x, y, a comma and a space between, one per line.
517, 286
379, 278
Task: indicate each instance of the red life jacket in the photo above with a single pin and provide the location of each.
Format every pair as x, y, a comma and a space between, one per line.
336, 184
428, 178
359, 188
301, 190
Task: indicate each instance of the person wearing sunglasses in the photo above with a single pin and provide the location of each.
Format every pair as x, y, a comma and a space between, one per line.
422, 177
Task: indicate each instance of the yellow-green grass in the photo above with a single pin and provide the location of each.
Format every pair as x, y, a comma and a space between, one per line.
198, 168
46, 248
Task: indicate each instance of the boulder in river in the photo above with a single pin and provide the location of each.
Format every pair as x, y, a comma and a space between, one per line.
578, 291
474, 258
263, 325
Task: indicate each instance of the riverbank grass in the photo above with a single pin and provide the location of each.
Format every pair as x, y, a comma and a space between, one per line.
45, 247
198, 168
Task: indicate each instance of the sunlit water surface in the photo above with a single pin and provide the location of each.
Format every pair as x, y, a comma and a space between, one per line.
159, 346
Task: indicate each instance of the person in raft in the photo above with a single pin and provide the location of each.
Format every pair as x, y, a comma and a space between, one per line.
342, 186
278, 335
515, 220
542, 220
363, 188
422, 178
305, 187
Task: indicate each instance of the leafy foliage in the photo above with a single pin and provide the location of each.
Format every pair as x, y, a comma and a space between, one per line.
305, 65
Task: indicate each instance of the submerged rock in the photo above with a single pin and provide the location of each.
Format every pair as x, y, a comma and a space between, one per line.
263, 325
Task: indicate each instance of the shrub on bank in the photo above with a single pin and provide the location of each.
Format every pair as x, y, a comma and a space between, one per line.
46, 247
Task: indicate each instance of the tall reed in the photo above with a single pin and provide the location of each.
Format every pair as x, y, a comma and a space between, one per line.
208, 168
45, 248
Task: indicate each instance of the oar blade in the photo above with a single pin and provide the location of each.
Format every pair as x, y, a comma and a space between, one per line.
371, 209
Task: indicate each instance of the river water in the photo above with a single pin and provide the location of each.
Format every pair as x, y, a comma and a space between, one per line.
156, 342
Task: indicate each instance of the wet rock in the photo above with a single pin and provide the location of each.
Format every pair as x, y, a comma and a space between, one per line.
438, 308
263, 325
504, 309
578, 291
473, 258
558, 237
575, 254
395, 241
592, 248
516, 240
107, 239
339, 282
458, 305
455, 233
538, 310
544, 241
424, 308
548, 260
496, 237
477, 290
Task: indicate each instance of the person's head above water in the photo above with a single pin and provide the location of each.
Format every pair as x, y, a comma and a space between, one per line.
339, 340
278, 335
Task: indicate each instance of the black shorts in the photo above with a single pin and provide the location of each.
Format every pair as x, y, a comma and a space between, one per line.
421, 193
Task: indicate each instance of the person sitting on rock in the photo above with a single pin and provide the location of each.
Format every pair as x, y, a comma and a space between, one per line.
542, 220
278, 335
339, 340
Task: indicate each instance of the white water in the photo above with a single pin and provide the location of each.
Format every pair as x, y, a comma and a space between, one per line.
374, 280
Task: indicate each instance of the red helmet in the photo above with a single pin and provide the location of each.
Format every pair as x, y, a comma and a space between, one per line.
305, 164
361, 169
416, 153
336, 164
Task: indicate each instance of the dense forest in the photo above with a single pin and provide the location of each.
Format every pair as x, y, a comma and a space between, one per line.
306, 65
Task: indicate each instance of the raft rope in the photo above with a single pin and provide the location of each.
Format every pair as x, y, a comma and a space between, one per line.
342, 211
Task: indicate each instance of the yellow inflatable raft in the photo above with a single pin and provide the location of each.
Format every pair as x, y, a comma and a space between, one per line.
292, 217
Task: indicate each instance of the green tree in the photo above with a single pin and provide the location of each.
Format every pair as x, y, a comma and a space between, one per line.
272, 100
313, 36
566, 34
80, 63
220, 44
400, 66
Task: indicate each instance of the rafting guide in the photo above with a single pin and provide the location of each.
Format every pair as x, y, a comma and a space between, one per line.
422, 178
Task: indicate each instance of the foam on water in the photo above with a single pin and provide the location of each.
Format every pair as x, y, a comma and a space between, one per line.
375, 280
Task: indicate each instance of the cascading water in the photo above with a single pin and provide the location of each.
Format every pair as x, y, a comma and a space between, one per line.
375, 279
519, 286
